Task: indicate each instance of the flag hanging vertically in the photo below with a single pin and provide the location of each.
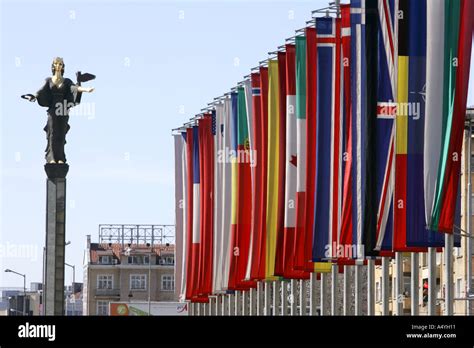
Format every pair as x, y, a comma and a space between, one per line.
196, 234
226, 207
253, 158
189, 212
180, 213
364, 19
457, 33
280, 241
257, 197
244, 190
386, 113
304, 245
218, 199
346, 212
290, 162
329, 151
273, 158
234, 247
301, 144
410, 232
206, 164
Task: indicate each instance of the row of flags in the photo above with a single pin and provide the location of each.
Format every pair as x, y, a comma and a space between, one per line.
345, 146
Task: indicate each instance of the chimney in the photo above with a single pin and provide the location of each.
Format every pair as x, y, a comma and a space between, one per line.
88, 245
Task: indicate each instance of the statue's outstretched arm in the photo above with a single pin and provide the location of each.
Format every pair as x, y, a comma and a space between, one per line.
85, 89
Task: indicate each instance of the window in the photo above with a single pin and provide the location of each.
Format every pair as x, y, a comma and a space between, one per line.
167, 282
105, 260
424, 259
393, 290
102, 308
167, 260
458, 288
137, 281
105, 281
406, 286
138, 260
378, 292
472, 201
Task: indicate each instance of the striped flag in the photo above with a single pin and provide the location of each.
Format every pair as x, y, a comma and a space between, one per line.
226, 191
189, 211
219, 213
253, 172
196, 217
234, 250
257, 197
346, 213
261, 254
244, 190
206, 165
304, 246
290, 162
298, 253
446, 90
364, 115
410, 233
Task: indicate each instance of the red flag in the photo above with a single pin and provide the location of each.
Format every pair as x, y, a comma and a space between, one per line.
453, 169
206, 167
304, 254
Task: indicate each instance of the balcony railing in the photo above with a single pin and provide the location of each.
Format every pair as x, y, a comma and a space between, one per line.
107, 292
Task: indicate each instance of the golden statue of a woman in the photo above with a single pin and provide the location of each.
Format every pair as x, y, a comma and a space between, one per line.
59, 94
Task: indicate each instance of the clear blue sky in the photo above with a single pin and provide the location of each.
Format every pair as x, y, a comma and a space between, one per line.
153, 59
181, 54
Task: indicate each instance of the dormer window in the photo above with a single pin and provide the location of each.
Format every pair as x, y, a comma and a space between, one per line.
105, 259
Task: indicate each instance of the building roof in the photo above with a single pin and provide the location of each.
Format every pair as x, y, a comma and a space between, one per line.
116, 250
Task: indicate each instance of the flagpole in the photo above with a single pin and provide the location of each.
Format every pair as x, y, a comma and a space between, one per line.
357, 291
469, 217
323, 294
312, 294
370, 287
334, 289
432, 281
293, 299
238, 307
267, 311
302, 297
284, 298
253, 302
276, 297
231, 304
218, 305
260, 298
415, 283
385, 285
347, 291
399, 296
448, 273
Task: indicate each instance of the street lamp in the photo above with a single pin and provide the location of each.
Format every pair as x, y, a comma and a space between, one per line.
73, 285
24, 287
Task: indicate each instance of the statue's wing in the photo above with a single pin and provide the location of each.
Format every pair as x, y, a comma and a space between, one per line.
29, 97
84, 77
